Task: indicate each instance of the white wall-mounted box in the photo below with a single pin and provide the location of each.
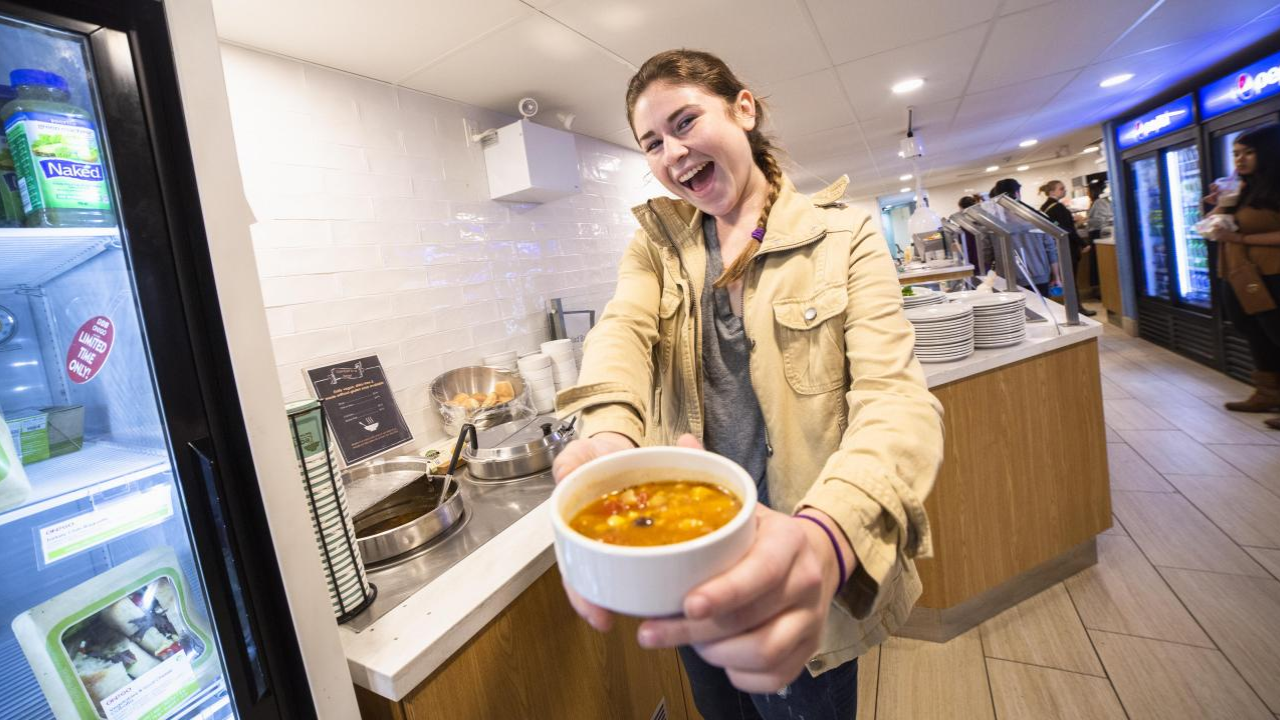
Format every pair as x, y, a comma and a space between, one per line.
531, 163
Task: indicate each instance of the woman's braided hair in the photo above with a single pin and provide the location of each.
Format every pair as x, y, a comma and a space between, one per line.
706, 71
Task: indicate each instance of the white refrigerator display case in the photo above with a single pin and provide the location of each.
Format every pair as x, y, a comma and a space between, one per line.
142, 578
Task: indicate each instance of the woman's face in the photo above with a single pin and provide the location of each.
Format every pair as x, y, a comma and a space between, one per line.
696, 145
1058, 192
1245, 158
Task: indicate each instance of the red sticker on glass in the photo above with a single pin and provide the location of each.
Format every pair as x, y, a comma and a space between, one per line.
90, 348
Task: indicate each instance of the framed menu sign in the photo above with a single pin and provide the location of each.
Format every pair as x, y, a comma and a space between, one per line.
362, 413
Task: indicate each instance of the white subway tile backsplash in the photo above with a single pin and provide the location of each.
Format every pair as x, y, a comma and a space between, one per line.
298, 290
300, 346
376, 234
340, 313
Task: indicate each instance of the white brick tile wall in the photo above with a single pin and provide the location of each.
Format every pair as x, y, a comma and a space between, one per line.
375, 233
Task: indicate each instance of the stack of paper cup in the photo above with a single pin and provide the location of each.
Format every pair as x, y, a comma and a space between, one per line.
505, 360
564, 367
349, 588
536, 370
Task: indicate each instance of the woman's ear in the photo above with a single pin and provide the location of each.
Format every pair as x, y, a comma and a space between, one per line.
744, 110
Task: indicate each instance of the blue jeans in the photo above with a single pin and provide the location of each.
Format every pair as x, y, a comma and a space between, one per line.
832, 695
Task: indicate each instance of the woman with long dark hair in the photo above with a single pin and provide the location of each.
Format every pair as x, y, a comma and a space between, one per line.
1254, 244
768, 327
1054, 191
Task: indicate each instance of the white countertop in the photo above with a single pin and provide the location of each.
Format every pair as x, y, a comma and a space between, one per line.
403, 648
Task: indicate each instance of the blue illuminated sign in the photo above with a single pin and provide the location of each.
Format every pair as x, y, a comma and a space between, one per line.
1251, 84
1161, 121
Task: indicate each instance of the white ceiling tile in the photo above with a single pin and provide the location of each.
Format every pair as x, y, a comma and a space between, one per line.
1178, 20
944, 64
807, 104
1012, 6
1052, 38
763, 41
853, 30
1235, 41
815, 147
539, 58
384, 42
1019, 98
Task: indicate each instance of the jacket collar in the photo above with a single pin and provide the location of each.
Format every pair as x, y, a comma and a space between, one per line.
794, 219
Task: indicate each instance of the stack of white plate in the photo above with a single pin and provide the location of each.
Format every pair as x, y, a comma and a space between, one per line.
998, 319
349, 588
564, 366
535, 369
505, 360
922, 296
943, 332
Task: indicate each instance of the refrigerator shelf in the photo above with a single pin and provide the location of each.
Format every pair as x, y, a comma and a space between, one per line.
97, 467
35, 256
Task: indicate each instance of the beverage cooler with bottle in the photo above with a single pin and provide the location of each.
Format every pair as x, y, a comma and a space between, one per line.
1163, 178
139, 577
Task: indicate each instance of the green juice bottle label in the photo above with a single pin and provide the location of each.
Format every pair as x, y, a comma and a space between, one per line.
57, 161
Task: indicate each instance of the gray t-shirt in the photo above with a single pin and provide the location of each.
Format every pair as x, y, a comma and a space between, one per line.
734, 423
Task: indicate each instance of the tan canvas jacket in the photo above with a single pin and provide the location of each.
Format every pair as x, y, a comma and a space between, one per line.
853, 429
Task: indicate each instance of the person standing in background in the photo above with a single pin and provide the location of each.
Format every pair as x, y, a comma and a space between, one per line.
1256, 241
1038, 251
970, 242
1100, 218
1054, 191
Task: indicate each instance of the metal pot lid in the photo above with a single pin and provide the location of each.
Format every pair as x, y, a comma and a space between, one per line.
520, 438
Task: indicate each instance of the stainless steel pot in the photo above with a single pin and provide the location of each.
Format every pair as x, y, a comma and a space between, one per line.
407, 518
477, 379
516, 449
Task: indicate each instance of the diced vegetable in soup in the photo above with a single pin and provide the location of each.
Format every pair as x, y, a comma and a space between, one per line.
657, 513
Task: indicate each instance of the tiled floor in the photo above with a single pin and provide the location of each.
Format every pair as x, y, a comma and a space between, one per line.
1180, 618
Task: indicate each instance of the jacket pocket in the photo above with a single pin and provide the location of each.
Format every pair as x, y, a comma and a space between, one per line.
669, 319
810, 333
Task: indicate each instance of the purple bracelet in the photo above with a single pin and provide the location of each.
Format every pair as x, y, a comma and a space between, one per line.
834, 546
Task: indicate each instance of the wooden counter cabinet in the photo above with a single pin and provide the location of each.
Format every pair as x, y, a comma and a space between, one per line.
538, 659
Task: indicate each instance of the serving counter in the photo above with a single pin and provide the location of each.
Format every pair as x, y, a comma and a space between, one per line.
1022, 494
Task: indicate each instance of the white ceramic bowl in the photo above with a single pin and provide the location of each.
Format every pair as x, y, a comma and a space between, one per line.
648, 581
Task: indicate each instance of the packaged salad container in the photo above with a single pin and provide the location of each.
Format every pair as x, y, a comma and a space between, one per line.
124, 644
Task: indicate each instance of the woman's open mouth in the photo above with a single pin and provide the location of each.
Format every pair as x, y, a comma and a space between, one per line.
698, 178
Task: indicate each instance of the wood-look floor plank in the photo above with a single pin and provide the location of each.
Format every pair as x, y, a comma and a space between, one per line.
1269, 558
1260, 462
1173, 451
1244, 509
1242, 615
1130, 472
1257, 421
1133, 414
1162, 681
1112, 391
1208, 424
1113, 436
1173, 533
868, 680
1123, 593
1116, 528
1042, 630
1028, 692
922, 680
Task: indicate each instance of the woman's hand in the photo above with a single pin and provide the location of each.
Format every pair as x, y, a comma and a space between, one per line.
762, 619
1221, 234
576, 453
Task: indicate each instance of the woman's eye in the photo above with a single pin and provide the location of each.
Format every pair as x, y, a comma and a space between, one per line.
652, 146
684, 123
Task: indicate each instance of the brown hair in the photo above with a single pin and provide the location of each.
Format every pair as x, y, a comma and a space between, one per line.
1048, 187
710, 73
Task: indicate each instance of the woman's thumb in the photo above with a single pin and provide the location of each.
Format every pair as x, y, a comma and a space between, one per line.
688, 441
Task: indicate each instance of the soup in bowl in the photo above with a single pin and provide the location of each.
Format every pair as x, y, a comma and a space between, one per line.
636, 530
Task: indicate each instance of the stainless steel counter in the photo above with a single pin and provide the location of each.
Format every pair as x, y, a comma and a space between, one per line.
489, 509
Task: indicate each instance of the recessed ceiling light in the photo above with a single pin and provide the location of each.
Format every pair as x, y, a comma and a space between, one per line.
901, 154
906, 189
906, 177
1028, 142
908, 85
1115, 80
993, 168
1023, 168
1090, 149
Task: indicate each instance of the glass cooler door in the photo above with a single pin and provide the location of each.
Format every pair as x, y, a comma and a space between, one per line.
1190, 252
1153, 248
104, 611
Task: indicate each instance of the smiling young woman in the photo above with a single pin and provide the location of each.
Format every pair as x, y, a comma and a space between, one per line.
767, 327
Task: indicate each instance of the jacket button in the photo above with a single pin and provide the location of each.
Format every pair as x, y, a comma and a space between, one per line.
810, 314
815, 665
